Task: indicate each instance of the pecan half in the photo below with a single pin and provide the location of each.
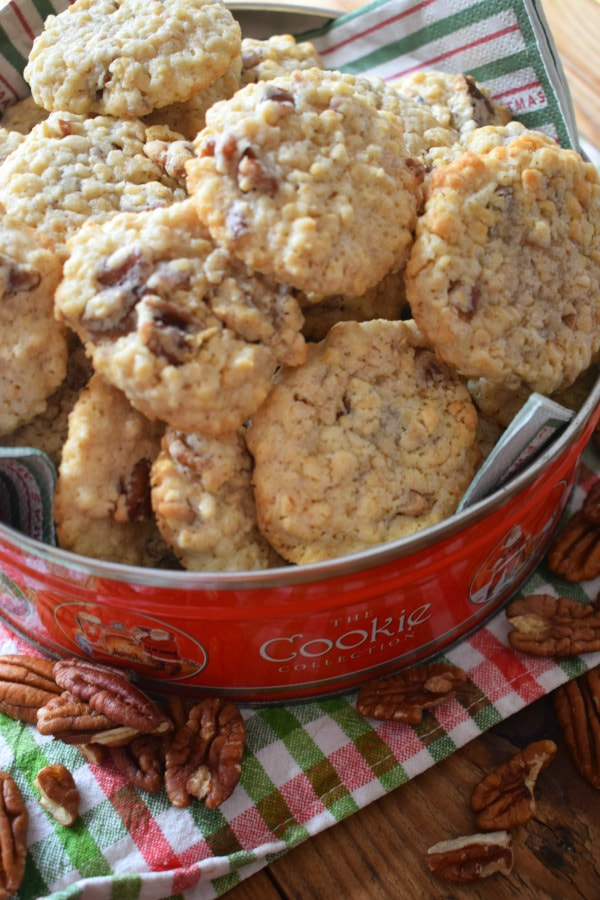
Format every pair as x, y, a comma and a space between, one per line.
58, 793
553, 626
75, 722
133, 504
577, 705
110, 692
14, 820
504, 798
403, 697
575, 552
472, 857
204, 756
141, 762
26, 684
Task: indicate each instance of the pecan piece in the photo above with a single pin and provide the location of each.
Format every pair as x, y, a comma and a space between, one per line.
553, 626
26, 684
403, 697
253, 174
15, 276
577, 705
471, 857
75, 722
14, 820
166, 330
133, 504
204, 756
58, 793
504, 797
141, 762
110, 692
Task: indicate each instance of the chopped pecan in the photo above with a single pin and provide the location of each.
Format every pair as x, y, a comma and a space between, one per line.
279, 95
253, 174
26, 684
59, 793
472, 857
553, 626
122, 280
16, 276
204, 756
14, 820
403, 697
110, 692
504, 798
577, 705
165, 329
141, 762
483, 111
134, 503
75, 722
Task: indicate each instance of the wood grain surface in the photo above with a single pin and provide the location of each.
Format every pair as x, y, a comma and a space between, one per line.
379, 852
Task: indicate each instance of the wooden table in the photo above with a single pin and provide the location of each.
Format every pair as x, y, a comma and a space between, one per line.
378, 852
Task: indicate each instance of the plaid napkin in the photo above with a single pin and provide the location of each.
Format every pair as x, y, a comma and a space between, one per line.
306, 765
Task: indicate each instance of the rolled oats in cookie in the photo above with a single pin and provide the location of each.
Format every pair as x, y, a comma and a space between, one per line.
33, 347
9, 141
265, 59
127, 57
387, 300
457, 101
504, 275
48, 430
188, 117
370, 440
70, 169
191, 336
102, 503
203, 499
307, 179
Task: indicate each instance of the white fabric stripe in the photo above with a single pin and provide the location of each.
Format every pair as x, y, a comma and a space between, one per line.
510, 81
481, 54
420, 18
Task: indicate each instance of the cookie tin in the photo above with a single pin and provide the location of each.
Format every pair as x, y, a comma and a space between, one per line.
302, 631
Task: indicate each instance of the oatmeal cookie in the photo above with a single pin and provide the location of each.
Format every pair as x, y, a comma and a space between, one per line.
48, 430
370, 440
188, 117
501, 404
457, 101
127, 58
191, 336
387, 300
504, 276
33, 348
265, 59
70, 169
23, 115
203, 499
102, 503
306, 179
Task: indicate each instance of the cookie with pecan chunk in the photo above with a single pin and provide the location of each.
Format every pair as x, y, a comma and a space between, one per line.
526, 209
191, 336
265, 59
70, 169
33, 349
127, 58
370, 440
102, 503
204, 504
308, 178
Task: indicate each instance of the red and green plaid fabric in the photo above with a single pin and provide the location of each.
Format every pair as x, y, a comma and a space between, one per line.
306, 765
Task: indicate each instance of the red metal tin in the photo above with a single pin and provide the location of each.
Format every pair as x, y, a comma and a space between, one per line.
300, 631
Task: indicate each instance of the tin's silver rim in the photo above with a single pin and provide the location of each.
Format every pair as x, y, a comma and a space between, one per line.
334, 568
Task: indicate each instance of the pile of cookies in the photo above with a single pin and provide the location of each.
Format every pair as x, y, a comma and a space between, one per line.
262, 313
